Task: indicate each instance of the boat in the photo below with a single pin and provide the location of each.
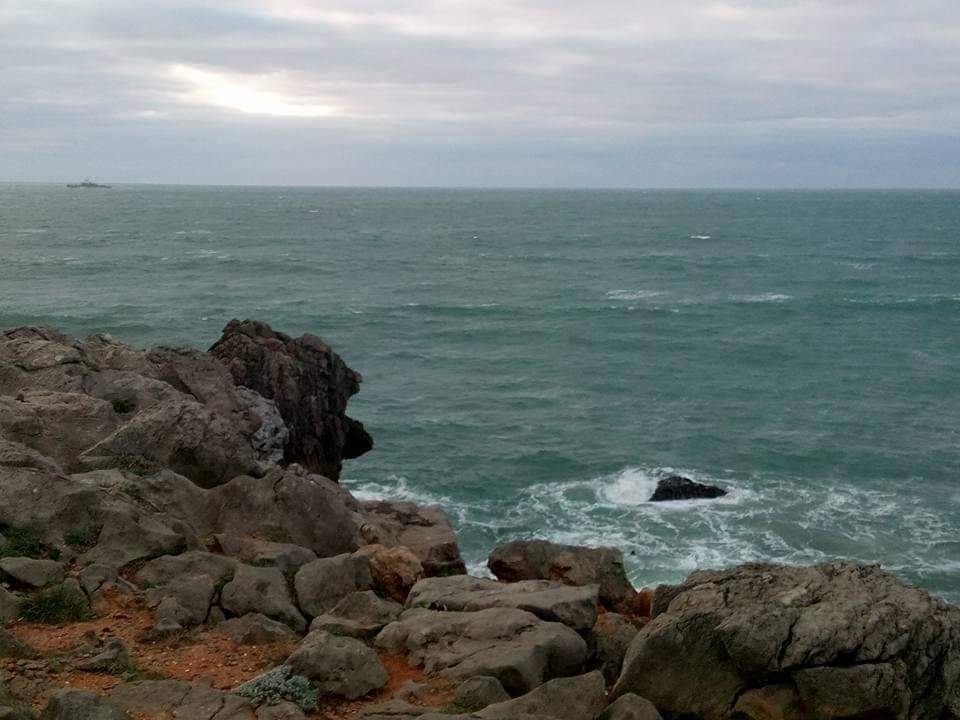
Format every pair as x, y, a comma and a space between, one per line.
87, 184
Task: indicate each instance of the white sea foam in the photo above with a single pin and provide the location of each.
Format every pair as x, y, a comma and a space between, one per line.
700, 237
764, 298
633, 294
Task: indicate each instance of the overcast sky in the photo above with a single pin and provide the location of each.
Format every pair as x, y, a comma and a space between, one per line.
605, 93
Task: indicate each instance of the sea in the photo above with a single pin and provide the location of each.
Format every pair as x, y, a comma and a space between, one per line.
534, 360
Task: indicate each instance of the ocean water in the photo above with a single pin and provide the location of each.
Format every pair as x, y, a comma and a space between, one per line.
532, 360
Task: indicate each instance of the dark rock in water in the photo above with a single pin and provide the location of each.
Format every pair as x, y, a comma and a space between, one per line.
310, 384
676, 487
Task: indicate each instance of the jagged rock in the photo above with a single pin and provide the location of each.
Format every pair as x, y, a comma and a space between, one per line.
839, 640
185, 600
256, 629
38, 357
285, 557
514, 646
611, 637
339, 666
180, 700
113, 657
360, 615
32, 572
261, 590
568, 564
634, 707
323, 583
310, 385
13, 647
18, 455
271, 437
476, 693
681, 488
425, 529
80, 705
393, 570
573, 606
174, 569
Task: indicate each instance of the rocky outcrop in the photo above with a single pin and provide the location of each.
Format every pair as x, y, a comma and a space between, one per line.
568, 564
310, 385
339, 666
609, 641
836, 640
514, 646
360, 615
676, 487
425, 529
575, 607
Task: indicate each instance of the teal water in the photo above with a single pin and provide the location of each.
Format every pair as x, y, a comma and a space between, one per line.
533, 359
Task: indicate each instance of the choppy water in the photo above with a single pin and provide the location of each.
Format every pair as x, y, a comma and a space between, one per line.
533, 359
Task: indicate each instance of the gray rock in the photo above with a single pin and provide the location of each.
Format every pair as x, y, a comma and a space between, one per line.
285, 557
425, 529
18, 455
323, 583
271, 437
32, 572
9, 604
173, 569
633, 707
568, 564
95, 576
185, 600
113, 657
360, 615
839, 640
13, 647
514, 646
339, 666
180, 700
256, 629
393, 570
310, 385
609, 641
573, 606
396, 710
476, 693
80, 705
261, 590
574, 698
280, 711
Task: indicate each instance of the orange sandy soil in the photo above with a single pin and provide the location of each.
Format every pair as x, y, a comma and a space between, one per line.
202, 655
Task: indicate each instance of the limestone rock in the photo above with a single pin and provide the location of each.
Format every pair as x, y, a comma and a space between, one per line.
425, 529
256, 629
185, 600
280, 711
476, 693
32, 572
80, 705
838, 640
323, 583
286, 557
360, 615
9, 602
568, 564
611, 637
13, 647
514, 646
573, 606
634, 707
261, 590
339, 666
393, 570
310, 385
174, 569
574, 698
113, 657
180, 700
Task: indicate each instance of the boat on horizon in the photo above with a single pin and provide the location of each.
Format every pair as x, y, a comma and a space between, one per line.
88, 183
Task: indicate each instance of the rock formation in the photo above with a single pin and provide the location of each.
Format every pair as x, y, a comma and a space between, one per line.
676, 487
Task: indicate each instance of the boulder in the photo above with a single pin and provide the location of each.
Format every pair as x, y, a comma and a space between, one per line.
323, 583
568, 564
573, 606
339, 666
514, 646
476, 693
359, 615
17, 455
80, 705
13, 647
285, 557
180, 700
425, 529
393, 570
261, 590
185, 600
676, 487
611, 637
836, 640
175, 569
310, 385
112, 657
280, 711
32, 572
256, 629
634, 707
574, 698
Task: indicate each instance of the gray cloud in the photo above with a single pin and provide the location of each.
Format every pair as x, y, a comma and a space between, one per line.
502, 92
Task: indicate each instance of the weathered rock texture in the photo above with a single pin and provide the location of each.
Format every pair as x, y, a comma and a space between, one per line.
676, 487
310, 385
831, 641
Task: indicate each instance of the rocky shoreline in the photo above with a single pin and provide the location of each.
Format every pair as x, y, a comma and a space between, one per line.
174, 544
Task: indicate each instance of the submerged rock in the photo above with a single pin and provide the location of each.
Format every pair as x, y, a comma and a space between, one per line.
676, 487
836, 640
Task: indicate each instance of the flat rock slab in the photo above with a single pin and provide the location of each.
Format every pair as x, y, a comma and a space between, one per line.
514, 646
360, 615
33, 572
180, 700
555, 602
256, 629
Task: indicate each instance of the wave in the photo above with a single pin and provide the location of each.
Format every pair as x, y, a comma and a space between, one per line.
700, 237
763, 298
633, 294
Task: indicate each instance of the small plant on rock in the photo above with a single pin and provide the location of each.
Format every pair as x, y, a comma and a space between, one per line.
83, 537
54, 605
122, 406
26, 542
279, 684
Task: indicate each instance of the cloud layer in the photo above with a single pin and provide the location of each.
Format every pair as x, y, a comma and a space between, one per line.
499, 92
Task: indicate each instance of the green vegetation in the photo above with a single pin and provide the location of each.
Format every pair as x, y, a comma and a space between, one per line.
26, 542
277, 685
82, 538
122, 406
54, 605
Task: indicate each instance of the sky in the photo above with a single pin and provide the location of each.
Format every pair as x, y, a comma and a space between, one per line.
558, 93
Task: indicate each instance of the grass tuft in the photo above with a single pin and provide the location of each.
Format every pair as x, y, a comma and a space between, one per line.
53, 606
